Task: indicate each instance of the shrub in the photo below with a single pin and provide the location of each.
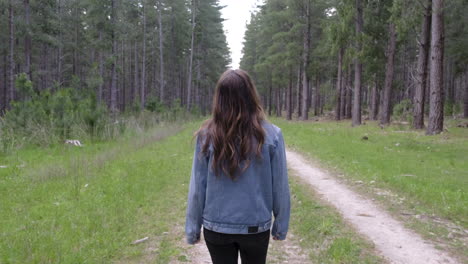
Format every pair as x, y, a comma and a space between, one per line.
403, 111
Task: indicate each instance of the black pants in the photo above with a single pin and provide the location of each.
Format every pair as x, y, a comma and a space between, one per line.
224, 248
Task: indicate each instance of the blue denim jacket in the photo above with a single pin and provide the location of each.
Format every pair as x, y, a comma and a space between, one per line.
244, 205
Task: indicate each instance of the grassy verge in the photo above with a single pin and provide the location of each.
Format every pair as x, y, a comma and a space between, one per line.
413, 174
327, 238
86, 205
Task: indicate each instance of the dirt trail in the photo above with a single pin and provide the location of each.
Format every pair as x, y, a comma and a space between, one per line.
393, 241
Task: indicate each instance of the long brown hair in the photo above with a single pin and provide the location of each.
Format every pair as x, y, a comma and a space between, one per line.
235, 129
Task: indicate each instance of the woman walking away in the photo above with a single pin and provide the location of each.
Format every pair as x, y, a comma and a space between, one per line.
239, 177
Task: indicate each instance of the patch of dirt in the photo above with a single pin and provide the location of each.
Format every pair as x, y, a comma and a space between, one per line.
392, 240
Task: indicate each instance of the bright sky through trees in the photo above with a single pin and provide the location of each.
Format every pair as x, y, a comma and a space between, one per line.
237, 14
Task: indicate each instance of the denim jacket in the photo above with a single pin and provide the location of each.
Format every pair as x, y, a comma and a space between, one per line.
244, 205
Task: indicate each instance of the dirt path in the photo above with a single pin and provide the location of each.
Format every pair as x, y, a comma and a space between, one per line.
393, 241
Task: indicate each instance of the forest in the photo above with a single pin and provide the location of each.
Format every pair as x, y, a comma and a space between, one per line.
372, 59
100, 101
74, 63
85, 62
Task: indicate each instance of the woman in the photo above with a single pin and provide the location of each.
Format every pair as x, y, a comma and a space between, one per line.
239, 177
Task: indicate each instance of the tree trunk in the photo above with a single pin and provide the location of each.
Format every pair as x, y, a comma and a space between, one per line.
358, 68
298, 95
374, 101
436, 104
27, 40
278, 102
344, 85
189, 81
465, 97
161, 54
421, 79
349, 94
101, 69
389, 71
124, 75
305, 61
11, 62
136, 87
60, 48
317, 96
289, 98
270, 94
339, 84
113, 88
143, 63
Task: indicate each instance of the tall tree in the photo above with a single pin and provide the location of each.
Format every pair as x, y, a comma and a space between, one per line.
339, 85
113, 85
161, 52
421, 81
389, 71
192, 51
436, 109
143, 61
358, 67
11, 61
305, 63
27, 39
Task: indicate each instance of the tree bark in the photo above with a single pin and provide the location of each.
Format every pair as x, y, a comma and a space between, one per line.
374, 101
339, 85
317, 96
344, 84
11, 62
421, 81
289, 98
161, 54
389, 72
27, 39
298, 95
270, 95
305, 61
465, 97
349, 94
60, 49
143, 63
278, 102
436, 104
136, 87
189, 81
356, 115
113, 88
101, 69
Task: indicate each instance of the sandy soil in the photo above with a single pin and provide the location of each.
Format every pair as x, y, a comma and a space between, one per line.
392, 240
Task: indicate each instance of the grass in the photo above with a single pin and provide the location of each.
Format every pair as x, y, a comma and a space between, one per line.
327, 238
429, 171
423, 175
68, 204
85, 205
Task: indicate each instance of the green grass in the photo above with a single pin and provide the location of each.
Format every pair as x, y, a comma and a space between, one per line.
321, 230
86, 205
429, 172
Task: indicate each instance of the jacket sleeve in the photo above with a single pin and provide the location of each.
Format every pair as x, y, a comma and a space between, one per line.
281, 196
196, 195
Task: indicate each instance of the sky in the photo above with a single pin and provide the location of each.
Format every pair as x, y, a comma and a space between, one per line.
237, 14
